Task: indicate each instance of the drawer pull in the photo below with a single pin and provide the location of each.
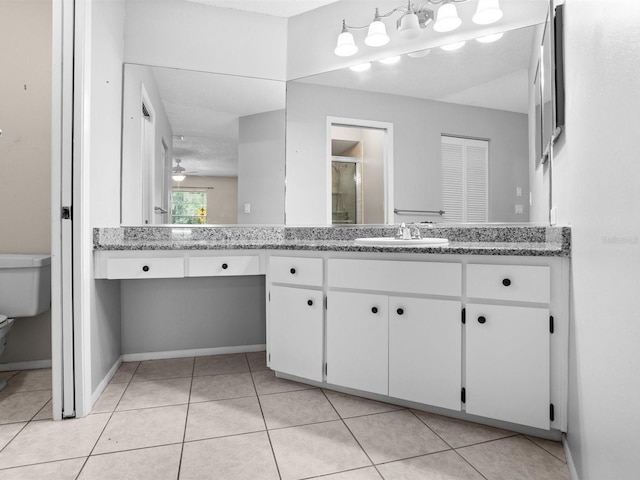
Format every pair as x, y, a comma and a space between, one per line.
506, 282
145, 268
293, 271
374, 310
482, 320
400, 311
225, 266
309, 302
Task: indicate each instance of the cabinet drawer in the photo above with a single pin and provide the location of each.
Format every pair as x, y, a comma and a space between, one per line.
223, 266
296, 271
430, 278
509, 282
172, 267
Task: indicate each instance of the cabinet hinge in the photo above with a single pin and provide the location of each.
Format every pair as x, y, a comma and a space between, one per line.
269, 295
326, 368
463, 395
464, 315
65, 214
326, 302
552, 415
551, 324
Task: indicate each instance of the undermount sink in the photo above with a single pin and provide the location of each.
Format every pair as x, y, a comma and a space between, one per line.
399, 242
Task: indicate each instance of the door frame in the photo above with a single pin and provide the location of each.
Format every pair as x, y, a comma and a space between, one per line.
387, 127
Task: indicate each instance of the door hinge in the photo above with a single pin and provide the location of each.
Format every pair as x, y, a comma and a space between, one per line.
269, 295
66, 213
463, 395
552, 415
551, 326
269, 358
464, 315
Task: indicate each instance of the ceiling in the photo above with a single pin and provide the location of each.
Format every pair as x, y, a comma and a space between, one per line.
276, 8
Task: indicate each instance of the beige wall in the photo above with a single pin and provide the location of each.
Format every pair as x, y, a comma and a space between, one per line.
25, 154
222, 197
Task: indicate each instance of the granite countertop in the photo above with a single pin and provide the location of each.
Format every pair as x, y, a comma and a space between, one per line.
466, 240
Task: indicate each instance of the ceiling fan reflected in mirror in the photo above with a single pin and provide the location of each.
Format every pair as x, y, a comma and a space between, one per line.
179, 173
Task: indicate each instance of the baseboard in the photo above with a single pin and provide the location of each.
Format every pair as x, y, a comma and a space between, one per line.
105, 381
567, 453
32, 365
197, 352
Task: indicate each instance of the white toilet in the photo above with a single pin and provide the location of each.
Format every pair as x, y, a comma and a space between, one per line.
25, 290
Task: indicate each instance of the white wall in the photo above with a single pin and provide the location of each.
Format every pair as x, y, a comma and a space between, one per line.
194, 36
418, 125
596, 180
103, 134
261, 181
25, 154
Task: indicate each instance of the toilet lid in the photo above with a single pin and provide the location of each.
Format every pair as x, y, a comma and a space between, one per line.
3, 318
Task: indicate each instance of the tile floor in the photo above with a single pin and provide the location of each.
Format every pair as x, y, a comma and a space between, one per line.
227, 417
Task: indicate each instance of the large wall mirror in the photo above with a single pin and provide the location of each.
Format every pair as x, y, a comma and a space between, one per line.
201, 148
479, 95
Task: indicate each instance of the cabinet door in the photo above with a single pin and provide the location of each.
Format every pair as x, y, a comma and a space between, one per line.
295, 331
425, 351
357, 341
507, 363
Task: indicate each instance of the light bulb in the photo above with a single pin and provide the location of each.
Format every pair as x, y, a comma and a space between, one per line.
360, 67
488, 12
377, 33
390, 60
346, 45
409, 26
448, 18
490, 38
178, 177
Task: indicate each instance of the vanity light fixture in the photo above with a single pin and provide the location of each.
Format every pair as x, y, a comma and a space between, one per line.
414, 18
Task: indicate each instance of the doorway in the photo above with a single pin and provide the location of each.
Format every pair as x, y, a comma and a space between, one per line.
360, 175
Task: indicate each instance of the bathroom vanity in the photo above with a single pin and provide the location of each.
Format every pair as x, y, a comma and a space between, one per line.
476, 329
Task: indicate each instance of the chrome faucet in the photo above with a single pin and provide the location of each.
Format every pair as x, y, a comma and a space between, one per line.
404, 232
415, 231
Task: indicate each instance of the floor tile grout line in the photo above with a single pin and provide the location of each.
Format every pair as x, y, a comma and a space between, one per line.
186, 420
544, 449
427, 425
15, 436
469, 463
264, 420
41, 463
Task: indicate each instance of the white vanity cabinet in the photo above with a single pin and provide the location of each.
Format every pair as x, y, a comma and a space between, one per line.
425, 351
508, 343
406, 346
296, 316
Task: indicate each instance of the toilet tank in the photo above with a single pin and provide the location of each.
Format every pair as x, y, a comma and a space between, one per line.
25, 284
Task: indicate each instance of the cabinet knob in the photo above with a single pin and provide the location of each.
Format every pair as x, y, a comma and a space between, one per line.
145, 268
293, 271
400, 311
482, 319
225, 266
374, 309
506, 282
309, 302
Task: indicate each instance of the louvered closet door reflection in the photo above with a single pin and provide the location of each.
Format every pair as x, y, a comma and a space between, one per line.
464, 163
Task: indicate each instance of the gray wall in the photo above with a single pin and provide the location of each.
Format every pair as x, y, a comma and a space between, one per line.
191, 313
261, 168
417, 125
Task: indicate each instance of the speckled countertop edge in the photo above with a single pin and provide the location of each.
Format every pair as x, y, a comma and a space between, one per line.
468, 240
